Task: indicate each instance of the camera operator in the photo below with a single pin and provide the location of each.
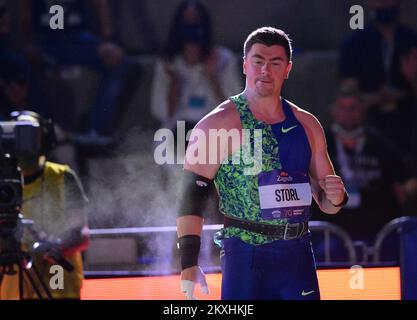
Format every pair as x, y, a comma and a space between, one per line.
54, 199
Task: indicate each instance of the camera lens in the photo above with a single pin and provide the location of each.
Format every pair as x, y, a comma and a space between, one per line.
7, 194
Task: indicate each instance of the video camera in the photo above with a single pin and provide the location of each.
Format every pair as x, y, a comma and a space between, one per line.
18, 139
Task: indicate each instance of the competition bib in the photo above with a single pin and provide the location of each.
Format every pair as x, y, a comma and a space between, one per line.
283, 195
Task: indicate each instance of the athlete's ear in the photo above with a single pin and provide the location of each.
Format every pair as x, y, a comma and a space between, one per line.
244, 66
288, 70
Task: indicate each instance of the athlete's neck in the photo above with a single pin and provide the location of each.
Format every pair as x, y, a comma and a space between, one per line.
268, 109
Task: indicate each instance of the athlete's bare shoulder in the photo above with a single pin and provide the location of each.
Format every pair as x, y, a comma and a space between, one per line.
224, 116
306, 118
311, 125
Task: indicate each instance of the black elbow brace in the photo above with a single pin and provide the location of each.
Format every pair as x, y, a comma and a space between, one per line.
195, 192
189, 247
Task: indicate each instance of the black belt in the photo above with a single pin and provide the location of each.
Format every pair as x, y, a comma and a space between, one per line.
285, 232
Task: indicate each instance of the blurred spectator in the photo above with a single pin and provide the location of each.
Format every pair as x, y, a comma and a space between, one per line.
371, 167
19, 87
14, 83
401, 123
76, 44
16, 87
145, 27
193, 74
54, 199
407, 107
382, 59
373, 57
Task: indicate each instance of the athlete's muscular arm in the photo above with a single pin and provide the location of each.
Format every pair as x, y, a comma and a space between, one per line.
222, 117
328, 188
197, 160
199, 151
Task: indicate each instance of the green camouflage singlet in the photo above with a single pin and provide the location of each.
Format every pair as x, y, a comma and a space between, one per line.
239, 195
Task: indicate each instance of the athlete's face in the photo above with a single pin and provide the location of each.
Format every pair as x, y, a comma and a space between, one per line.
266, 68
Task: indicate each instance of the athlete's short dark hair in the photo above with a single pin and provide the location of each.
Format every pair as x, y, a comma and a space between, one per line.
268, 36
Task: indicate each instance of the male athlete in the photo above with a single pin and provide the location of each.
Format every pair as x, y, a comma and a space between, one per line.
266, 249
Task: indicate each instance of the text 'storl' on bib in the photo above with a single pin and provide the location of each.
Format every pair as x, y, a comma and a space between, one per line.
284, 195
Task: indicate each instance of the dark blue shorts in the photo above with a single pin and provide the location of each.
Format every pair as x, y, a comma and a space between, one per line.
274, 271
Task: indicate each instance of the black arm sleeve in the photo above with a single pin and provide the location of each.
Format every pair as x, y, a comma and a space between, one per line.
194, 193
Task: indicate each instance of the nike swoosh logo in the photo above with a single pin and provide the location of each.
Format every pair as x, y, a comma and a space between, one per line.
283, 130
307, 293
